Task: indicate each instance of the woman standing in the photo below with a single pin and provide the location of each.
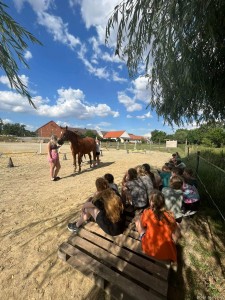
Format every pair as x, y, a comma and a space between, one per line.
53, 158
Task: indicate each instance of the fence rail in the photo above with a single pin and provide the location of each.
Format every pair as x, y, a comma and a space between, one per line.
212, 179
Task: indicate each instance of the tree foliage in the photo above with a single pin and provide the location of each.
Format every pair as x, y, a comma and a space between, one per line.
181, 135
14, 129
90, 133
182, 45
13, 39
158, 136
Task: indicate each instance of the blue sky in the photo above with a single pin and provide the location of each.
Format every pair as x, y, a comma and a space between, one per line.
74, 78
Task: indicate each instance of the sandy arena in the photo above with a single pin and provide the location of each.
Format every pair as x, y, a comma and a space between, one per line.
34, 215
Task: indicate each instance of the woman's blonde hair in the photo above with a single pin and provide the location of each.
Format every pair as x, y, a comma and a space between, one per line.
54, 139
112, 204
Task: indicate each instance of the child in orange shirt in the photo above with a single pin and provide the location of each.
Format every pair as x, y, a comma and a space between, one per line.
158, 229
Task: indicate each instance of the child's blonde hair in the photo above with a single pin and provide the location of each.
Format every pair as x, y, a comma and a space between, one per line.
112, 204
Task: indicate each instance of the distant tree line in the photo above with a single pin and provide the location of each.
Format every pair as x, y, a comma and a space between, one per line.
15, 129
210, 134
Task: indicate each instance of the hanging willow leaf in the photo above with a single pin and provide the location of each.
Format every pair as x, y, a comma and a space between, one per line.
12, 48
187, 53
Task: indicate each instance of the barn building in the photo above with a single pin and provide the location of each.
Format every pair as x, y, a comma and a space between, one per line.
51, 128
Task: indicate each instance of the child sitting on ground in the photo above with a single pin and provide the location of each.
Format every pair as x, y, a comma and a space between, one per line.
109, 177
106, 209
189, 178
191, 200
174, 197
158, 229
134, 191
156, 181
165, 175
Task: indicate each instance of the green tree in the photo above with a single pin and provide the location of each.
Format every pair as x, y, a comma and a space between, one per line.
16, 130
181, 135
1, 126
182, 46
90, 133
158, 136
216, 136
12, 46
194, 136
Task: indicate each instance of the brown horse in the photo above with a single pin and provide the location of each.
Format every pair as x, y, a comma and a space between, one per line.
79, 145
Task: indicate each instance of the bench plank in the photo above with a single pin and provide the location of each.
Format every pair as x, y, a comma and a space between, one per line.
116, 263
142, 262
124, 240
121, 265
87, 264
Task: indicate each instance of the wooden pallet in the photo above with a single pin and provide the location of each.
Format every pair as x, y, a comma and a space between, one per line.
116, 264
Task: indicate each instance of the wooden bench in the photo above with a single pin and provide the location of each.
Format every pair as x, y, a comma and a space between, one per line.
116, 264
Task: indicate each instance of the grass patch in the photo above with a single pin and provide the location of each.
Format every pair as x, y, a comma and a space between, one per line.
201, 259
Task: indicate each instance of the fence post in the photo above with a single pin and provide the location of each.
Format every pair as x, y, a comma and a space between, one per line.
40, 149
198, 154
188, 152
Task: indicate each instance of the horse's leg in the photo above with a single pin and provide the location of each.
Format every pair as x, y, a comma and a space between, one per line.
94, 157
75, 162
89, 154
74, 159
79, 161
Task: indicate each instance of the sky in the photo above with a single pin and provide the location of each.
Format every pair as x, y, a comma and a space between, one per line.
74, 78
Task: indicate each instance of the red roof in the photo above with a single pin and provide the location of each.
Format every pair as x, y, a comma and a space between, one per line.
135, 137
113, 134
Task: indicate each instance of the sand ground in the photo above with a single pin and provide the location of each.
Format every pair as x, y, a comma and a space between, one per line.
34, 213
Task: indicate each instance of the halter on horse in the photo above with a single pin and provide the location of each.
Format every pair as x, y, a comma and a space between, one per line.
78, 146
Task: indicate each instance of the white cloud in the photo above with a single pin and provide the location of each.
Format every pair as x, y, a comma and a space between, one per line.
145, 116
28, 55
4, 80
58, 29
141, 89
73, 3
6, 121
98, 72
128, 102
96, 13
70, 103
116, 77
37, 5
10, 101
111, 58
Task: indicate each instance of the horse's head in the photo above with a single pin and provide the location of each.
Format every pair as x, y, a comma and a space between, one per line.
63, 136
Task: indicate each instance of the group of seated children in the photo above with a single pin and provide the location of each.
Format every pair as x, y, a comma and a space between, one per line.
158, 213
179, 183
